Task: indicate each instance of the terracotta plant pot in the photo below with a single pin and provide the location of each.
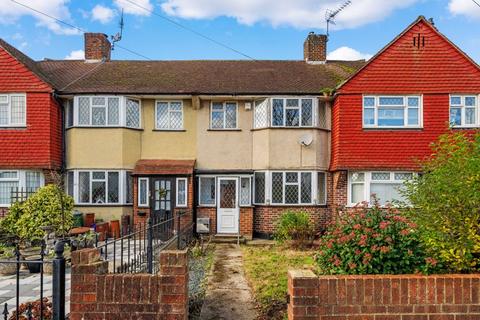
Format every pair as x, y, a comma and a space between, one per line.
8, 269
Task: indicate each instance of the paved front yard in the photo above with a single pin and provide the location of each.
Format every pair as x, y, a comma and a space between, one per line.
266, 270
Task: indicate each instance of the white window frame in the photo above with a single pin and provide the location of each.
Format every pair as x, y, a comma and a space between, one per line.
21, 179
368, 181
321, 202
266, 188
147, 192
249, 177
122, 180
283, 203
463, 108
122, 112
200, 191
177, 204
405, 106
169, 111
10, 124
224, 104
300, 120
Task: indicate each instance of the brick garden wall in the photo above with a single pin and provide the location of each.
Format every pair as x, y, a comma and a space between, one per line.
95, 294
383, 297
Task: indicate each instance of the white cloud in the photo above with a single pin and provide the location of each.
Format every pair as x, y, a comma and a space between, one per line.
102, 14
76, 55
464, 7
130, 8
11, 12
299, 13
346, 53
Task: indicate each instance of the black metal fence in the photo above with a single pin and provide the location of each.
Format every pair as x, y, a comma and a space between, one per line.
43, 308
138, 250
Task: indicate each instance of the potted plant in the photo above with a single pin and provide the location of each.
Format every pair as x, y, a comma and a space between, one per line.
7, 254
48, 265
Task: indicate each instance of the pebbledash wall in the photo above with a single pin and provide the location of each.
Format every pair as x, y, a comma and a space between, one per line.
383, 297
95, 294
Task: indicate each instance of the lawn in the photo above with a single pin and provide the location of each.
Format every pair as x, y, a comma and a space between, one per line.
266, 270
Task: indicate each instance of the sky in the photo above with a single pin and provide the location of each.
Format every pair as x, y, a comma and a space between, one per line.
260, 29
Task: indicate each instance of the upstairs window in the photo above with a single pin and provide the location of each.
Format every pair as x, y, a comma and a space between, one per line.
13, 110
464, 111
223, 115
104, 111
292, 112
392, 111
169, 115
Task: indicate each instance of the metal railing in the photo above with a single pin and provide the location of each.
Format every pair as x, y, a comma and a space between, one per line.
45, 310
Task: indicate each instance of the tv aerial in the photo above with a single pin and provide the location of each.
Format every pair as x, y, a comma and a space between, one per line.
118, 36
331, 14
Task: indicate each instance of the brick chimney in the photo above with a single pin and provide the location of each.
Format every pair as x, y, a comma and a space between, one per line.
97, 47
315, 48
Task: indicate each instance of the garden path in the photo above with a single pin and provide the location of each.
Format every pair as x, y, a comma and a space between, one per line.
228, 294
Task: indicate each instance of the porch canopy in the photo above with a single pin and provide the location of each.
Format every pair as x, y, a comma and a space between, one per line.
163, 167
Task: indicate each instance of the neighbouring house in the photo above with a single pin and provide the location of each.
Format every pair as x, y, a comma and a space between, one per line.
388, 113
30, 127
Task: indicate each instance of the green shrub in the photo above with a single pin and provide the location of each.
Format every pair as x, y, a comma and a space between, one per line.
294, 225
49, 206
372, 240
445, 201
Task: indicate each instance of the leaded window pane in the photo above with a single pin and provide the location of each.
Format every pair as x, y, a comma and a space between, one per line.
403, 175
182, 192
307, 112
33, 180
113, 187
98, 116
176, 121
277, 187
391, 117
261, 113
455, 101
231, 115
369, 102
133, 113
70, 183
380, 175
84, 187
413, 102
17, 111
98, 101
162, 115
456, 116
217, 119
129, 187
6, 188
357, 177
83, 111
245, 192
98, 192
291, 193
69, 113
391, 101
8, 175
306, 187
470, 101
277, 112
142, 190
322, 115
291, 177
113, 111
292, 116
98, 175
207, 191
259, 187
321, 188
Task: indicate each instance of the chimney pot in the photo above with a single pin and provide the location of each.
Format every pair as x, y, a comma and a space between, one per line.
315, 48
97, 47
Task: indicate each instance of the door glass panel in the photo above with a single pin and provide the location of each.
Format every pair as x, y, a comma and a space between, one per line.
228, 194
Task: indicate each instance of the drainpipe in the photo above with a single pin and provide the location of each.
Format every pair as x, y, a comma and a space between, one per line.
62, 120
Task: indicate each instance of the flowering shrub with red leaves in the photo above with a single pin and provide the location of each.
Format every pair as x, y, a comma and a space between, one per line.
373, 240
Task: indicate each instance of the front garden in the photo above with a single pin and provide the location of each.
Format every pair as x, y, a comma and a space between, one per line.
437, 230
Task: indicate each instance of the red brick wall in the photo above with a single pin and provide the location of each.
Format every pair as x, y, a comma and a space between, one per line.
38, 145
412, 297
95, 294
246, 219
435, 71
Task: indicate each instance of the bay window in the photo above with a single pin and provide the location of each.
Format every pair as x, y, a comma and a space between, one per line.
26, 182
287, 112
169, 115
392, 111
100, 187
223, 115
103, 111
384, 186
13, 110
464, 111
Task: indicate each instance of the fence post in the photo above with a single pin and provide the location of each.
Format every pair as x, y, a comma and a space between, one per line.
58, 283
150, 246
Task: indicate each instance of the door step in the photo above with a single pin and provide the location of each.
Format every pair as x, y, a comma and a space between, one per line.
228, 238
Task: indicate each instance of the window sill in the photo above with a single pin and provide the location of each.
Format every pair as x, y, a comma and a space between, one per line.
103, 127
102, 205
169, 130
13, 127
466, 127
206, 206
392, 128
223, 130
291, 128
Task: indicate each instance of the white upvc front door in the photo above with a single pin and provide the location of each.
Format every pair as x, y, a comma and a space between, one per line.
227, 207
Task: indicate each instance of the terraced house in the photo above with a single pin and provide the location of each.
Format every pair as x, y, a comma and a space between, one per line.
233, 143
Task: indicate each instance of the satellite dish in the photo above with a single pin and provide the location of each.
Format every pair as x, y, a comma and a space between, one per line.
306, 140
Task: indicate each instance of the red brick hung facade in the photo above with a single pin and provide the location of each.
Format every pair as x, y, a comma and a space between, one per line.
95, 294
412, 297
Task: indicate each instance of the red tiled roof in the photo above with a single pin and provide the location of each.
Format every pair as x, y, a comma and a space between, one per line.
168, 167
